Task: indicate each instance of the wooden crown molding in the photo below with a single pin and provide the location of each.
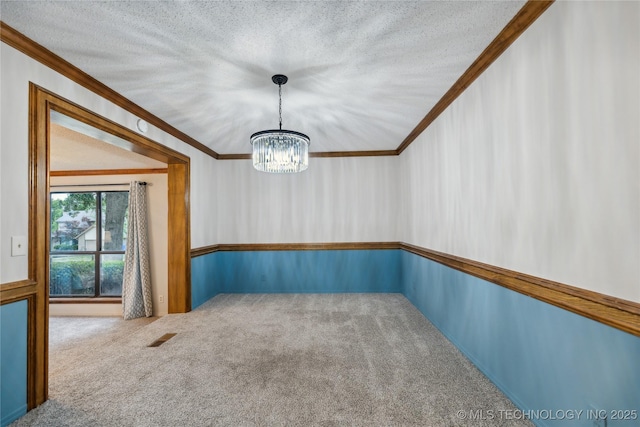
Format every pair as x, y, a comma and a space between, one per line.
616, 312
242, 156
43, 55
101, 172
372, 153
523, 19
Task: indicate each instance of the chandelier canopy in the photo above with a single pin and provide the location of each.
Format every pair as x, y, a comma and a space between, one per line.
278, 150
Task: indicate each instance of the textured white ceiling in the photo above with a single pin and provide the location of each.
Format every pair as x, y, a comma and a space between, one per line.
361, 74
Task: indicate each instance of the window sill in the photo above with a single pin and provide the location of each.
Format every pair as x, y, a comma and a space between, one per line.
116, 300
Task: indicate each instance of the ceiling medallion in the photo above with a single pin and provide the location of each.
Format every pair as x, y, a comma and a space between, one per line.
278, 150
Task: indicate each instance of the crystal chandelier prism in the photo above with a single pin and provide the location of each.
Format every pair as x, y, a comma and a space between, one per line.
278, 150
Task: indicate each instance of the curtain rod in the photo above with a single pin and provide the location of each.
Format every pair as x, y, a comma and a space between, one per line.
94, 185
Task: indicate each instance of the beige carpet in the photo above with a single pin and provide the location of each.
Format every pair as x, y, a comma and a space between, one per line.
265, 360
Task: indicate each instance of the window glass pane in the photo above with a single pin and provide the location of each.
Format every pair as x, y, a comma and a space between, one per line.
111, 267
72, 275
73, 219
115, 210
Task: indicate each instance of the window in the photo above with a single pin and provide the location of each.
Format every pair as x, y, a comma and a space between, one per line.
88, 239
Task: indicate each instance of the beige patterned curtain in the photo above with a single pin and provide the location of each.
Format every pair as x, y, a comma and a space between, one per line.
136, 282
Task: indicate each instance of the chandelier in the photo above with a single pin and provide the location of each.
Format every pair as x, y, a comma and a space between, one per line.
278, 150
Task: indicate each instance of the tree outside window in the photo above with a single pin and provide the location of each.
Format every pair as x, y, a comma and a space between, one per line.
88, 240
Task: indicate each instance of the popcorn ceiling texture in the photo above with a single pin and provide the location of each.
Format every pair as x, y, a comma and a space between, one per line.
362, 74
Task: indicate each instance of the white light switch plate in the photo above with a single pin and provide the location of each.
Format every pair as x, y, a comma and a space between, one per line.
18, 245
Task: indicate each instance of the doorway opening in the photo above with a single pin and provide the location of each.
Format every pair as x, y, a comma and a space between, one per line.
43, 104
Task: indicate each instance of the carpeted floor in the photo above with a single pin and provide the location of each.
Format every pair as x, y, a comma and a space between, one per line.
264, 360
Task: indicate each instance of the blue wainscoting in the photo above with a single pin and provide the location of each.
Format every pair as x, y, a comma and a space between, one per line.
542, 357
13, 361
203, 278
310, 271
547, 360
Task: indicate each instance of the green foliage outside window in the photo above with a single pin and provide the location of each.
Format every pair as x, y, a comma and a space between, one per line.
111, 279
77, 277
72, 277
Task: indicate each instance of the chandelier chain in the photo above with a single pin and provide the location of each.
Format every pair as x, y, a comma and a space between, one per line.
280, 104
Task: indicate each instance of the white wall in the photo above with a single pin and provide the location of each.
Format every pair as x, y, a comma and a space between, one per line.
535, 167
335, 200
157, 221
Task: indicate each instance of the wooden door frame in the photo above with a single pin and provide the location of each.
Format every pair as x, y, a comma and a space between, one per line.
41, 103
